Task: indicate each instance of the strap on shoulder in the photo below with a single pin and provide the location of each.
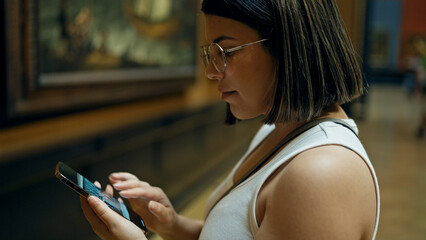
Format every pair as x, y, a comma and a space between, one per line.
285, 140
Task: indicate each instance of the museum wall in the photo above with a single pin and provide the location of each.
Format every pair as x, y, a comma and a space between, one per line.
175, 140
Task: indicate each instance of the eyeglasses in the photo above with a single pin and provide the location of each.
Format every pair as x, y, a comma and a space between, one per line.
214, 53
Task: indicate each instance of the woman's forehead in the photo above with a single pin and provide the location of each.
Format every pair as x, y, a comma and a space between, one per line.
221, 28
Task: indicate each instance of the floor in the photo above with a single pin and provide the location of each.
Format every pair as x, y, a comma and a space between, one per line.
389, 135
388, 132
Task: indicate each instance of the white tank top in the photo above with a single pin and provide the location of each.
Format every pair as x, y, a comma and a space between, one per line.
233, 217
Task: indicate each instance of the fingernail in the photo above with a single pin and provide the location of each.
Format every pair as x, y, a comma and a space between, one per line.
123, 194
153, 208
92, 200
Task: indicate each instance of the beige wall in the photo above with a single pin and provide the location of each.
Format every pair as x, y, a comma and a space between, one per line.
353, 13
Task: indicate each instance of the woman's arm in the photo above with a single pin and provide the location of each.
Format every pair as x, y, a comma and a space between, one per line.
323, 193
184, 228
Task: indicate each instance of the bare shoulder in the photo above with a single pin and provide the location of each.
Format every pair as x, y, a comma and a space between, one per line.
331, 165
323, 193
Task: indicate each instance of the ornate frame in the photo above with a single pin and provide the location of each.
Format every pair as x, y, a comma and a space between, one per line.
31, 93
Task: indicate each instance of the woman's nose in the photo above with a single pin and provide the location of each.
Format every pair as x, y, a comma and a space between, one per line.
212, 73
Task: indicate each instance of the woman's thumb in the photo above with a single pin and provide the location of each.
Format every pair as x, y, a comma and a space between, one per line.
102, 210
159, 211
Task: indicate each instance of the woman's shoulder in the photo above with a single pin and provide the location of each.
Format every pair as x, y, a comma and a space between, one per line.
331, 164
330, 185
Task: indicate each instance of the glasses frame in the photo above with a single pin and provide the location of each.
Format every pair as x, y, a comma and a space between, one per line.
206, 53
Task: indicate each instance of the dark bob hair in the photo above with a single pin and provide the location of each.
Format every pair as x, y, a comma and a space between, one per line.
316, 64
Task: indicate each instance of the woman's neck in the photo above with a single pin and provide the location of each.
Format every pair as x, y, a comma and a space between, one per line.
283, 129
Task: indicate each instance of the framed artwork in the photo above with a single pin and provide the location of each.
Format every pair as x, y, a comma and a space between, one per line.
379, 52
70, 54
382, 35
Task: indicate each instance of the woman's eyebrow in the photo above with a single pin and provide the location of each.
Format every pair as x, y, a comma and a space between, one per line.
221, 38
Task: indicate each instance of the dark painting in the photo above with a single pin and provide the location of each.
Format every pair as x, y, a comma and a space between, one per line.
67, 55
86, 35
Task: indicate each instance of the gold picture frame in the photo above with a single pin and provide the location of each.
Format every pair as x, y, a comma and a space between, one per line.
34, 90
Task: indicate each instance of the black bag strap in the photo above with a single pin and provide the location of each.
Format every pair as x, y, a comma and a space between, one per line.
285, 140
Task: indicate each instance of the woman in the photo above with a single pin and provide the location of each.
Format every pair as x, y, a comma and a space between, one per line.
305, 174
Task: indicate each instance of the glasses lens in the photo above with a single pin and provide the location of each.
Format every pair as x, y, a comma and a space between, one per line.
217, 57
204, 55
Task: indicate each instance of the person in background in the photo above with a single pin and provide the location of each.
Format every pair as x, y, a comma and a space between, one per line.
305, 174
416, 63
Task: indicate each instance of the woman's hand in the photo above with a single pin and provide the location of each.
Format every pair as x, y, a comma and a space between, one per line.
106, 223
151, 203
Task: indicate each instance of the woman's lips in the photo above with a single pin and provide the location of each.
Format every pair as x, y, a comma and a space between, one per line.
226, 95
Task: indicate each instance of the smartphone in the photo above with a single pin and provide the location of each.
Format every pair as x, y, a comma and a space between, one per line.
86, 188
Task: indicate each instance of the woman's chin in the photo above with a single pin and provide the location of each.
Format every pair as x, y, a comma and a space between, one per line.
241, 115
